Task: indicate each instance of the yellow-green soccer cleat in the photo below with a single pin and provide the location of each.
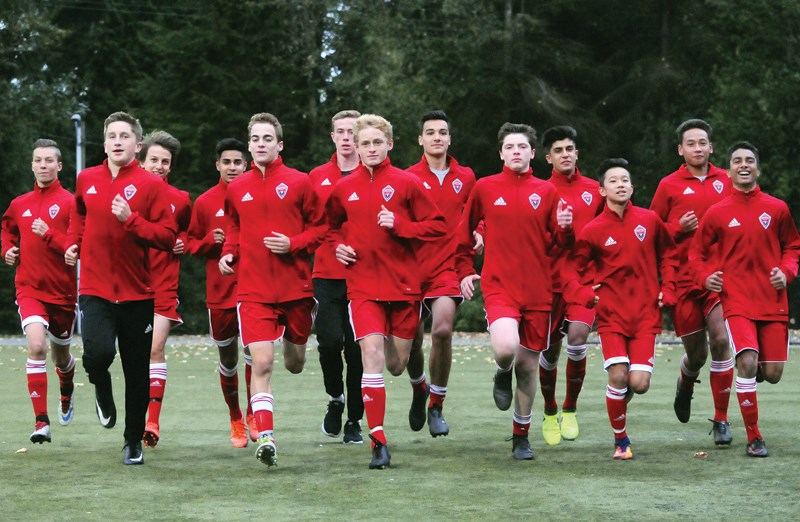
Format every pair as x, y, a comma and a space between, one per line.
569, 425
551, 430
267, 452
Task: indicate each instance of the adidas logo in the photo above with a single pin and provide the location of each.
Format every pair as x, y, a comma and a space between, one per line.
27, 213
688, 190
726, 390
325, 182
425, 184
247, 197
500, 202
65, 333
353, 197
35, 395
148, 329
734, 223
746, 403
620, 418
366, 398
220, 213
610, 241
92, 190
156, 383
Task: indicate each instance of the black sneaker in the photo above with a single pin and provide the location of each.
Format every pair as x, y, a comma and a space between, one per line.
722, 432
416, 413
683, 402
106, 410
502, 389
332, 423
436, 423
757, 448
521, 448
132, 453
352, 433
759, 374
380, 456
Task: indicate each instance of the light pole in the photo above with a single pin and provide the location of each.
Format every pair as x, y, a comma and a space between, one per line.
80, 149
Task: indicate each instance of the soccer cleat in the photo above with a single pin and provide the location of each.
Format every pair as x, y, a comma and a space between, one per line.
551, 431
416, 413
436, 423
267, 452
151, 435
66, 410
41, 433
722, 432
683, 403
757, 448
106, 410
623, 452
502, 390
332, 423
521, 448
352, 433
238, 433
380, 456
252, 427
132, 453
569, 425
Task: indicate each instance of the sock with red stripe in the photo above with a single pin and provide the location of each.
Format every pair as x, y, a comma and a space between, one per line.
37, 387
688, 377
248, 372
748, 403
158, 382
548, 372
229, 382
522, 424
576, 371
419, 385
721, 378
373, 393
617, 410
437, 396
66, 378
262, 404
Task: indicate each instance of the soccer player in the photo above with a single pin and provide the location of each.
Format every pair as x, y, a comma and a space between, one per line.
205, 238
449, 185
159, 152
374, 214
33, 233
523, 219
681, 200
120, 212
573, 320
756, 247
334, 333
622, 253
275, 222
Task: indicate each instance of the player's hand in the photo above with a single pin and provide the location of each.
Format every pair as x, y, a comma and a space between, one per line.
688, 221
345, 254
666, 299
385, 218
587, 296
71, 256
219, 236
225, 264
278, 243
564, 215
714, 282
468, 286
12, 256
120, 208
478, 246
777, 278
179, 248
39, 227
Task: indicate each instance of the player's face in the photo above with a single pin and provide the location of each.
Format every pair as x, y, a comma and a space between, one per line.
517, 152
120, 143
695, 148
563, 156
435, 138
230, 164
373, 146
264, 145
617, 187
743, 170
45, 165
342, 136
158, 161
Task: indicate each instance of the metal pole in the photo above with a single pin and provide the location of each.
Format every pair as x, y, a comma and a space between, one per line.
80, 148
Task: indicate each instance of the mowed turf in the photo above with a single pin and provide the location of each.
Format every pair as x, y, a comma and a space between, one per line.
195, 474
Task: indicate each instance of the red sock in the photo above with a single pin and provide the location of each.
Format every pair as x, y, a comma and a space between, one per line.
229, 382
576, 371
748, 403
158, 382
436, 398
421, 386
65, 378
547, 380
37, 386
248, 372
721, 378
617, 411
687, 379
373, 394
522, 423
262, 404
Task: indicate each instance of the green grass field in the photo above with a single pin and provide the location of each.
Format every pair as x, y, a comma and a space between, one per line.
195, 474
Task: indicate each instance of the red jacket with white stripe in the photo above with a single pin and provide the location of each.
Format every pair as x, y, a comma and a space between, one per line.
166, 266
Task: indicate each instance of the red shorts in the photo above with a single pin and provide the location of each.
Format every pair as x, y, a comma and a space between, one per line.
694, 305
562, 312
639, 352
769, 338
167, 307
223, 325
534, 325
58, 319
396, 318
263, 322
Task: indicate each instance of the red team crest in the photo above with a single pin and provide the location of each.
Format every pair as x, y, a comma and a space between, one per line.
765, 219
587, 197
129, 192
388, 192
457, 185
718, 186
640, 232
281, 190
535, 200
53, 211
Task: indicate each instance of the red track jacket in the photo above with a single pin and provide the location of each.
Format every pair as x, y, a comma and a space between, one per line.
166, 266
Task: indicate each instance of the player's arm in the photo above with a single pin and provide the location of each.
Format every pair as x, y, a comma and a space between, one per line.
790, 246
667, 256
703, 242
158, 229
9, 238
426, 223
314, 222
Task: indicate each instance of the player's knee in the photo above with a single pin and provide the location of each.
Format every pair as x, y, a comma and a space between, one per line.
294, 366
37, 349
442, 334
772, 374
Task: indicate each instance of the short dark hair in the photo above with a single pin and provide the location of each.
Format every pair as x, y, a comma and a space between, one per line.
743, 145
162, 139
694, 123
231, 144
609, 164
561, 132
516, 128
45, 143
431, 116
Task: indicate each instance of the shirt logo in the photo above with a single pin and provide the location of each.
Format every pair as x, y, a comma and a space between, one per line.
718, 186
610, 241
27, 213
281, 190
535, 199
353, 197
587, 197
425, 184
734, 223
688, 191
53, 211
765, 219
129, 192
457, 185
640, 232
220, 213
92, 190
387, 192
171, 206
500, 202
325, 182
247, 197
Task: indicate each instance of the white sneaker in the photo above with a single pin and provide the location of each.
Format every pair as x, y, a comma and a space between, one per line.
41, 434
65, 418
